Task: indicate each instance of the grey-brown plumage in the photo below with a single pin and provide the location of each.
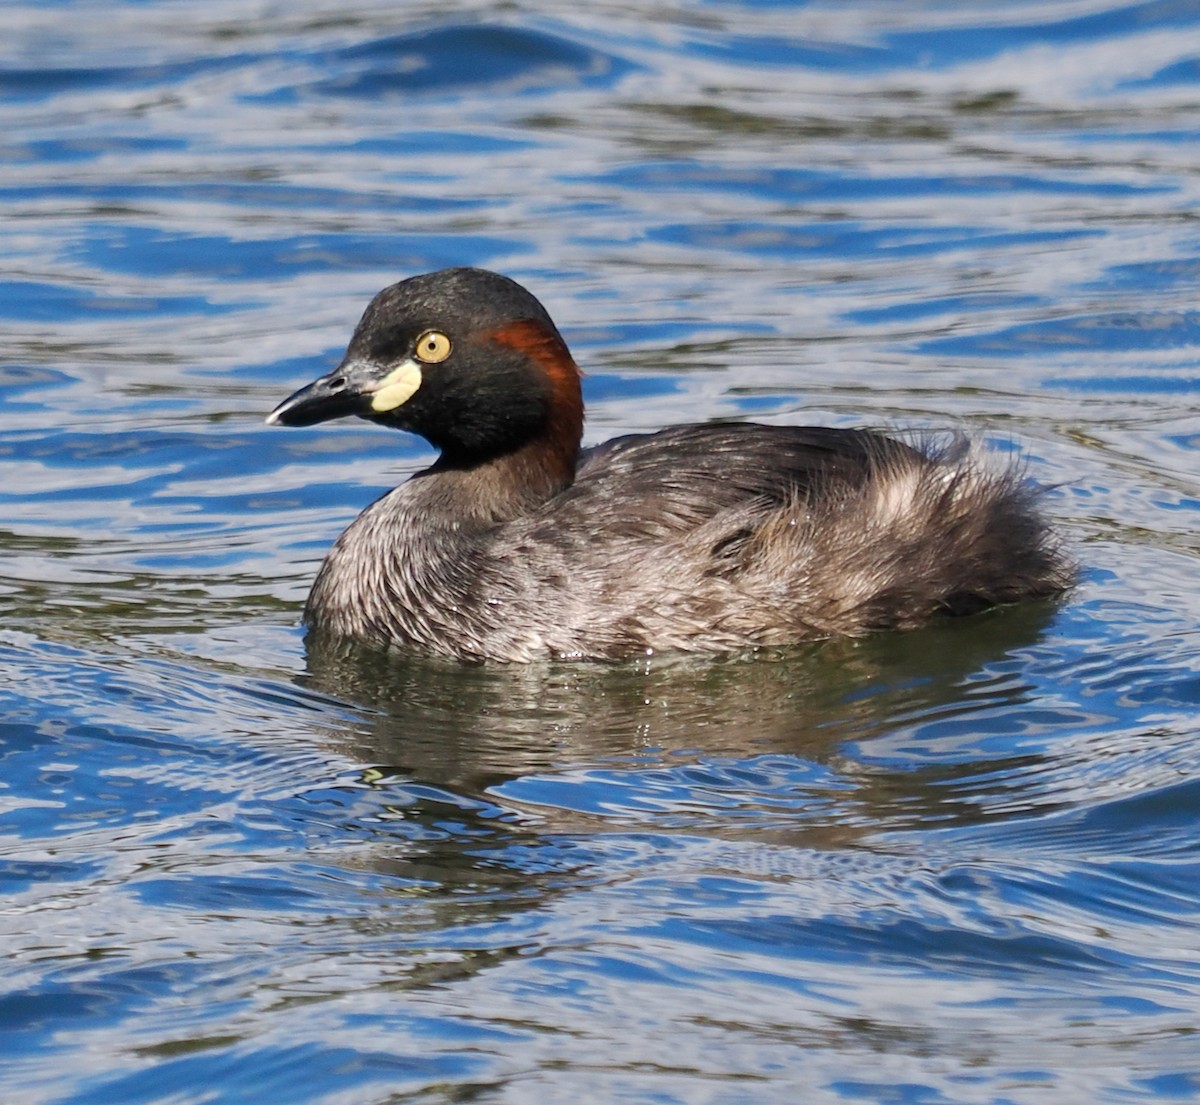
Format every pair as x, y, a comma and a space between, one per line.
514, 546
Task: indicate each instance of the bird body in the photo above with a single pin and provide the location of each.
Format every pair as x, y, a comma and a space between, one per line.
515, 545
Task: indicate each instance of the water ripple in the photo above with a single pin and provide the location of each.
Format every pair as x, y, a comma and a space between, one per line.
955, 865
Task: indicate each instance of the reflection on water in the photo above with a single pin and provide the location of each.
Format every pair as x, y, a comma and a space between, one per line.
957, 865
480, 729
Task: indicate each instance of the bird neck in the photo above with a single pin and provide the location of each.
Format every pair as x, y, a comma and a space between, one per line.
505, 486
513, 480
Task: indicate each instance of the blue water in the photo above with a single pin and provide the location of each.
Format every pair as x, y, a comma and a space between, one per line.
955, 866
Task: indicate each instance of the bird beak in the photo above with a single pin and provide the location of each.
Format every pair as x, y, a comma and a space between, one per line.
354, 387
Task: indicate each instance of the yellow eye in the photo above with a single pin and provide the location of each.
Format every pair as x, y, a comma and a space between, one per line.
432, 346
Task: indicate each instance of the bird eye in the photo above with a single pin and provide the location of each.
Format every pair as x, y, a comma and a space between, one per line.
432, 346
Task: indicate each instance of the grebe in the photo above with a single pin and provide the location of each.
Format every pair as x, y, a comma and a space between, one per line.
516, 544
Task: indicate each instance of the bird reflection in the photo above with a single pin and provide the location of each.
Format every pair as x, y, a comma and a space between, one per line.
474, 729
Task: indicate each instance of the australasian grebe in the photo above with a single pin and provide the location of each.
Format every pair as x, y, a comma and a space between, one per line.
515, 544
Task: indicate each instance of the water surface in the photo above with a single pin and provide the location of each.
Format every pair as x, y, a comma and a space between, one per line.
959, 865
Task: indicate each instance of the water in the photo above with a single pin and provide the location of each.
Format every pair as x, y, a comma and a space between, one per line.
955, 866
